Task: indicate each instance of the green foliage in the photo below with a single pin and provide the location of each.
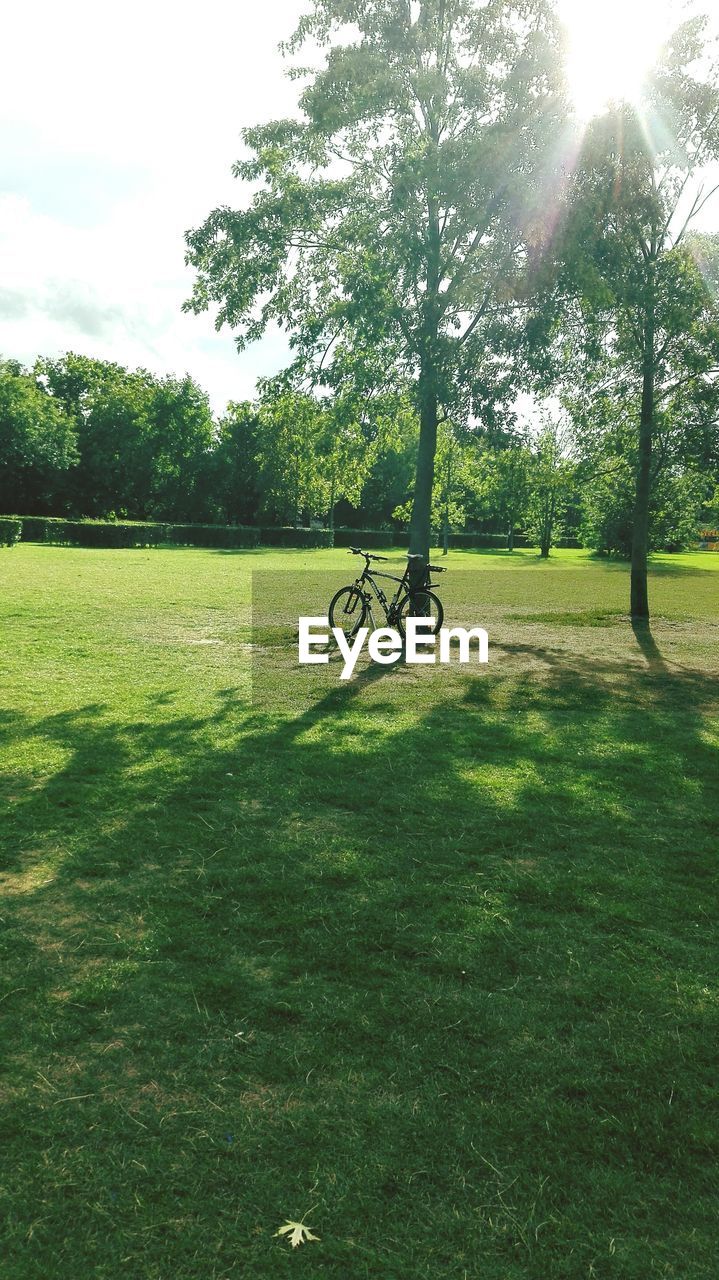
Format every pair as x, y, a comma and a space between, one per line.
363, 537
181, 440
101, 533
291, 479
143, 443
10, 531
550, 486
508, 469
390, 482
710, 509
296, 537
394, 223
608, 504
645, 309
116, 533
213, 535
37, 440
41, 528
478, 540
234, 471
461, 480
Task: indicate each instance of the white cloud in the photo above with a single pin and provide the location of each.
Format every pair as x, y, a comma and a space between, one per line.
119, 126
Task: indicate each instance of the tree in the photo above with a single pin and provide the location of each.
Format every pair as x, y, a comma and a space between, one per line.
110, 407
180, 437
397, 214
459, 481
348, 444
549, 482
606, 474
389, 484
509, 466
234, 469
143, 443
37, 442
291, 480
636, 192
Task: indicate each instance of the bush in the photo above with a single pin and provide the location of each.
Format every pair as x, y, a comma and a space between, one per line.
10, 531
135, 533
609, 510
400, 538
103, 533
212, 535
287, 537
364, 538
139, 533
42, 529
478, 540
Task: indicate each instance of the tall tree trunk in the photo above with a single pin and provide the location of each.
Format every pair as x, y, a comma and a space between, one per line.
639, 603
331, 514
545, 541
448, 483
510, 536
420, 528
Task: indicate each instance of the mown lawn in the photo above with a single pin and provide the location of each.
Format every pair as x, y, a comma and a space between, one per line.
429, 957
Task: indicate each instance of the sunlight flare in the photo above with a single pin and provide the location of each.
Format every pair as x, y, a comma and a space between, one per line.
611, 48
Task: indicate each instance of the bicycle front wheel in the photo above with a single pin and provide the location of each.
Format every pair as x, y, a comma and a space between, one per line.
348, 609
420, 604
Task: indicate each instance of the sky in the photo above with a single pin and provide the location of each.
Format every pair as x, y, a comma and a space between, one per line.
118, 128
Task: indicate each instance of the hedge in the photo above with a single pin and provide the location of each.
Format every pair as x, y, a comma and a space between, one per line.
42, 528
472, 540
102, 533
141, 533
213, 535
135, 533
364, 538
296, 537
10, 531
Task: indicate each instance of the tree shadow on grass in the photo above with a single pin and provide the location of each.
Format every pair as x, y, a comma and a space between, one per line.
436, 967
648, 645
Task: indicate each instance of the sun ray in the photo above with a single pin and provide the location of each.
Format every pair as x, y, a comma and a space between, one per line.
611, 49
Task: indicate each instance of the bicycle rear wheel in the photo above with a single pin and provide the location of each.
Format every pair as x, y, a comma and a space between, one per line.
348, 609
420, 604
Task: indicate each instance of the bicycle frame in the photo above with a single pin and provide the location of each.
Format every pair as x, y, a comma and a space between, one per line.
369, 575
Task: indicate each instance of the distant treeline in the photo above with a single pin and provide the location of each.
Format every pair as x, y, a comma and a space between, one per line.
83, 438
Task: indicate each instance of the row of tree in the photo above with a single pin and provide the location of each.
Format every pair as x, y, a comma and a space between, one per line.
89, 438
84, 437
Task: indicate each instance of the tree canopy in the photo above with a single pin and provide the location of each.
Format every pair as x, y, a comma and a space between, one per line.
396, 215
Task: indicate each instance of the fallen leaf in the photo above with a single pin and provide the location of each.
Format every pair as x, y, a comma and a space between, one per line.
297, 1232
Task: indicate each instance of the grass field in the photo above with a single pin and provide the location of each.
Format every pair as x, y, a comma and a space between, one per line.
428, 957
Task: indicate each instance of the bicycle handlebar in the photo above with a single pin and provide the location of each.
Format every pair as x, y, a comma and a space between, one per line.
431, 568
357, 551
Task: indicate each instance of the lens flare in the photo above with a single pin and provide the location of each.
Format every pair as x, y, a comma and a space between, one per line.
611, 48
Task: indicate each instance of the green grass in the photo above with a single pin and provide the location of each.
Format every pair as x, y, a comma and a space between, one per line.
429, 957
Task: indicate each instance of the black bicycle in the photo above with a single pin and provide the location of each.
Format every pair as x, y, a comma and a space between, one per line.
351, 605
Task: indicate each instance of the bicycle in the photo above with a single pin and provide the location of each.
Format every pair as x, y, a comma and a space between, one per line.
350, 605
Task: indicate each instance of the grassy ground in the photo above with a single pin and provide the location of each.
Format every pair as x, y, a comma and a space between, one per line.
427, 957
